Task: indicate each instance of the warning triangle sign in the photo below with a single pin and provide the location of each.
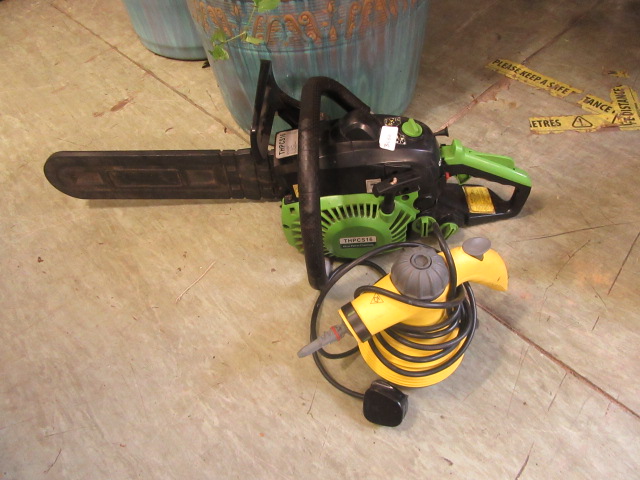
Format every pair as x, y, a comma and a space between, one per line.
581, 122
376, 299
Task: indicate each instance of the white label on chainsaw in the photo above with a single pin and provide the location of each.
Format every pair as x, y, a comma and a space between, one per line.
388, 136
286, 144
354, 242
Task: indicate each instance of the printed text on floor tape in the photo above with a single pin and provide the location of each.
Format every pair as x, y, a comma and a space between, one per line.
531, 77
566, 123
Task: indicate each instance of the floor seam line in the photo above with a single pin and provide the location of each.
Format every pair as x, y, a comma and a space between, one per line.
501, 82
153, 75
560, 363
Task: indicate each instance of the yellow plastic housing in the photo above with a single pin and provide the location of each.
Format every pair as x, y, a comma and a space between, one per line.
378, 312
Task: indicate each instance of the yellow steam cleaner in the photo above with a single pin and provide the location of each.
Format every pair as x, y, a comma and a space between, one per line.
414, 324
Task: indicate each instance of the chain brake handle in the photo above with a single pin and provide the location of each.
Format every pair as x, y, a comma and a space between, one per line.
270, 100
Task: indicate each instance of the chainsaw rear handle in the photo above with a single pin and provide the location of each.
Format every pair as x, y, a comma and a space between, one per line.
309, 168
466, 163
503, 208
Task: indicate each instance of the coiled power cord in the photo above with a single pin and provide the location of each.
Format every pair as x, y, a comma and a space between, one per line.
429, 351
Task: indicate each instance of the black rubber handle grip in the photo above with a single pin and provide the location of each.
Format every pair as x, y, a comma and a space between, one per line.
504, 209
309, 169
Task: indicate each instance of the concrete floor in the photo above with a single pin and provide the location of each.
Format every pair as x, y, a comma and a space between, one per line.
115, 364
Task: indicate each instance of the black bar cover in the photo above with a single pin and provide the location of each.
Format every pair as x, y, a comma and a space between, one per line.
155, 174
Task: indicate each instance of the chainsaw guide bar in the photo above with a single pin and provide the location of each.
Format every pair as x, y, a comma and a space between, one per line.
188, 174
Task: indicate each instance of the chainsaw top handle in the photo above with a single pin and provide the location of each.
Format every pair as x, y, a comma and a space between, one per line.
309, 169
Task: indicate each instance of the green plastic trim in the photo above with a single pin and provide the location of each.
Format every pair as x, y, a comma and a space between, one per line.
354, 217
463, 178
498, 165
411, 128
448, 229
423, 226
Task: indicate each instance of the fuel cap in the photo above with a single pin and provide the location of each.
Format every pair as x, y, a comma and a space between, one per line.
411, 128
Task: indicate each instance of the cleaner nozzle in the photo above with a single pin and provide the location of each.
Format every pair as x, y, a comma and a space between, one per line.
335, 333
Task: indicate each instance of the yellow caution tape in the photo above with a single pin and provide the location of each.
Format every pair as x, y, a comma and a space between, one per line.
623, 111
597, 105
570, 123
531, 77
626, 101
618, 73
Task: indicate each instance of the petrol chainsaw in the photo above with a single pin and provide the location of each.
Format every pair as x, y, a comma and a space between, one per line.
346, 185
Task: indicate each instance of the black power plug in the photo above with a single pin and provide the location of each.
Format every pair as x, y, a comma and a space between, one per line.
384, 404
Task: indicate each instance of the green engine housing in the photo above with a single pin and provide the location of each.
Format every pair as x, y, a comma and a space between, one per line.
353, 224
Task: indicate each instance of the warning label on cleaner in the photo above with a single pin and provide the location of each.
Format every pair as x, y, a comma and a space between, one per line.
531, 77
